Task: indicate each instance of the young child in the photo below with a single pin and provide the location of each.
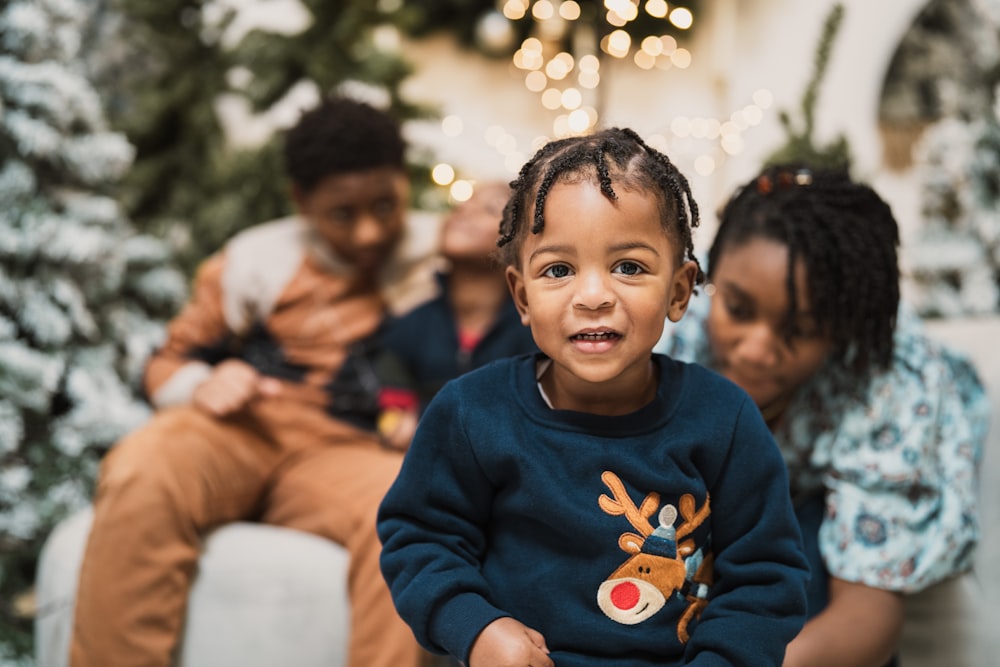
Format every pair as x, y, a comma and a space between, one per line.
595, 504
882, 428
262, 409
471, 322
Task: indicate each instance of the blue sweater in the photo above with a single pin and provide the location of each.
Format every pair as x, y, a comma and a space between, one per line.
663, 537
421, 350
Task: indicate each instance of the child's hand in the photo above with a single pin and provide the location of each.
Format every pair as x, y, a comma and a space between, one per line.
509, 643
230, 387
396, 428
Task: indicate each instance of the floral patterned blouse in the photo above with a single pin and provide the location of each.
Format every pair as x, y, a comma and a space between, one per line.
897, 461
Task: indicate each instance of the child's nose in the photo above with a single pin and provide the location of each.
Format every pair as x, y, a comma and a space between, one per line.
594, 291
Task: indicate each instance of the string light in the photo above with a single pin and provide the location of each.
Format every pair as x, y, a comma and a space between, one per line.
443, 174
461, 190
566, 80
452, 125
726, 135
682, 18
657, 9
569, 10
515, 10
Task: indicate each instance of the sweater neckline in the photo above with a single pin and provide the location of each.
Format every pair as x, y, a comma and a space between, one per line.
541, 366
649, 417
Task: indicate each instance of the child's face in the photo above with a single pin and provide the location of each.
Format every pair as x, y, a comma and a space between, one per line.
359, 214
596, 284
471, 229
747, 326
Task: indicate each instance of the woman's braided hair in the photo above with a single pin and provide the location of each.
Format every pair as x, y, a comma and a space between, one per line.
612, 156
846, 237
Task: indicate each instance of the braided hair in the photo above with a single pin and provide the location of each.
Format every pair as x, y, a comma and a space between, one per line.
612, 156
341, 135
846, 237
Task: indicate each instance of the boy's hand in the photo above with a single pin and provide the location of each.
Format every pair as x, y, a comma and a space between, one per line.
230, 387
509, 643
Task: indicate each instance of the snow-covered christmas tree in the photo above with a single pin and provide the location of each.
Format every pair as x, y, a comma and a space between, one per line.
83, 297
955, 258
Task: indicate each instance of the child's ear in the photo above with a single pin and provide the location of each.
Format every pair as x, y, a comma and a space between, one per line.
515, 281
681, 289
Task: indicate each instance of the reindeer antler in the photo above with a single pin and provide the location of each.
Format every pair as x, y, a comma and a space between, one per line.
622, 504
692, 519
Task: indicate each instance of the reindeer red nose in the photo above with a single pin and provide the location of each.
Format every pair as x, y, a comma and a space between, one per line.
625, 595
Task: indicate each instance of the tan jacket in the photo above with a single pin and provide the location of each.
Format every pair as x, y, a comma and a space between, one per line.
277, 297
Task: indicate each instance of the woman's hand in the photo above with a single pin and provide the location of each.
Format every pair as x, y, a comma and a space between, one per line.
508, 643
860, 627
229, 388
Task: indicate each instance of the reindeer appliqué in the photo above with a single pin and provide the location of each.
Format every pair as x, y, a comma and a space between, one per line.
662, 564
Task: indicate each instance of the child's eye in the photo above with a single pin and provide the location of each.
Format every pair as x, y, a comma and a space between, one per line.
557, 271
629, 269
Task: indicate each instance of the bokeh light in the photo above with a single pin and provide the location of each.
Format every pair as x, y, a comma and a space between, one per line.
443, 173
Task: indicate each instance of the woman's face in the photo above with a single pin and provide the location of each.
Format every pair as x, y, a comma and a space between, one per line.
752, 343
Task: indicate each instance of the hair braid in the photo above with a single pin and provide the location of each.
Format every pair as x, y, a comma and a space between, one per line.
609, 157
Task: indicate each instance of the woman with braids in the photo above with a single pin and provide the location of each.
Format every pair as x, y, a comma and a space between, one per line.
595, 503
882, 430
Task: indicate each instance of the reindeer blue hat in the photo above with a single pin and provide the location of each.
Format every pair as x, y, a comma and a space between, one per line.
663, 540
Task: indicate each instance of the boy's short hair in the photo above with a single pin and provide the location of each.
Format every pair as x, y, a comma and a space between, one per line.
605, 156
341, 135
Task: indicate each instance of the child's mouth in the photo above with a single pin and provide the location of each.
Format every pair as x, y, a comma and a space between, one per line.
588, 337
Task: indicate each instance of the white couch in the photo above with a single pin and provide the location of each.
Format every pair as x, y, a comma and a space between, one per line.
266, 596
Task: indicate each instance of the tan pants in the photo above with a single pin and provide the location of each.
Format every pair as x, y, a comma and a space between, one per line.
164, 486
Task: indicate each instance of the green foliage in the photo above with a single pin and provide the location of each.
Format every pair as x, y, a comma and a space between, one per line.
83, 297
461, 18
335, 47
160, 89
15, 642
800, 145
189, 184
167, 63
458, 17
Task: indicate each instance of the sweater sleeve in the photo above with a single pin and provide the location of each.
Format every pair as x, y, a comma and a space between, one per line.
431, 523
758, 598
180, 365
902, 484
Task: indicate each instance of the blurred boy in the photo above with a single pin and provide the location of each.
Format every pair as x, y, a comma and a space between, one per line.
263, 409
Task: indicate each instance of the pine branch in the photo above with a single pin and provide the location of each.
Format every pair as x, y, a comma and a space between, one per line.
800, 146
